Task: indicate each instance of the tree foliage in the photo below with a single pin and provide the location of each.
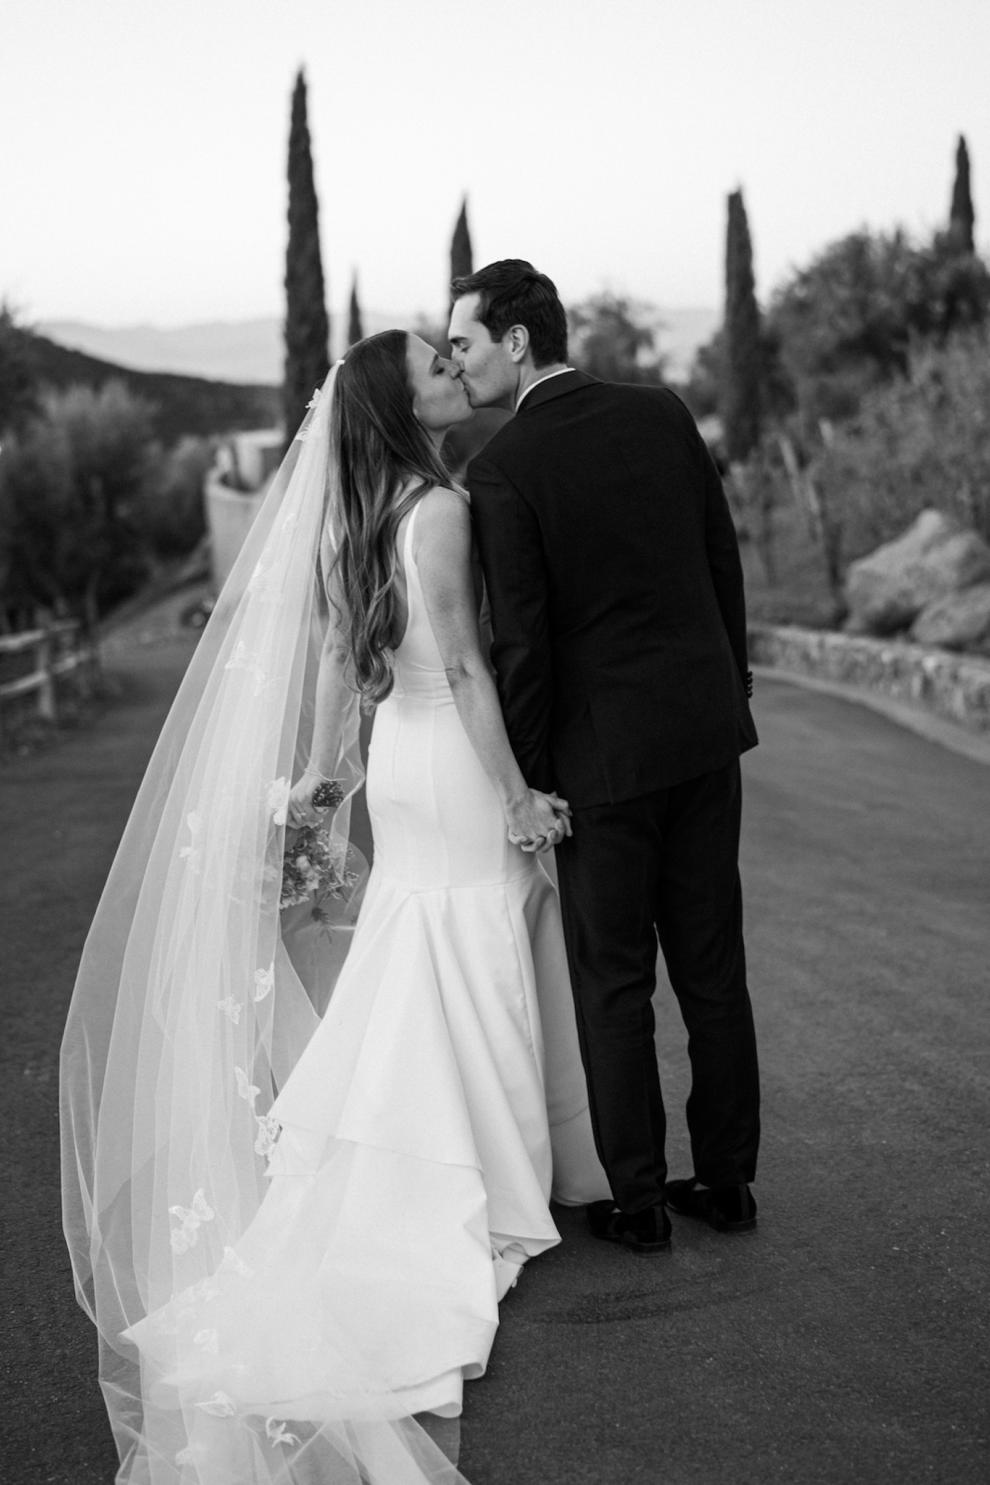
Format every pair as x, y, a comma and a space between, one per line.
72, 486
36, 534
742, 361
920, 440
307, 325
461, 256
18, 376
615, 337
355, 326
962, 217
847, 322
171, 508
703, 391
108, 434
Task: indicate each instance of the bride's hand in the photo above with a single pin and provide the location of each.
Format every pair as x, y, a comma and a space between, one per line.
302, 811
538, 821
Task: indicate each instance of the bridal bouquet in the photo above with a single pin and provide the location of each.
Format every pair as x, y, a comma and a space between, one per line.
315, 866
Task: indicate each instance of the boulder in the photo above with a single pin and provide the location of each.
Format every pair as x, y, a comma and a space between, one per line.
887, 590
959, 622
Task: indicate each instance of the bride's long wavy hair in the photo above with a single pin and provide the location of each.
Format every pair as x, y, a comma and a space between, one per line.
386, 463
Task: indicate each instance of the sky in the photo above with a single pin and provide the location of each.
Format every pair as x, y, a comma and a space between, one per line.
143, 143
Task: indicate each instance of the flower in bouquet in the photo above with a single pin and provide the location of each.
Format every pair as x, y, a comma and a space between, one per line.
315, 868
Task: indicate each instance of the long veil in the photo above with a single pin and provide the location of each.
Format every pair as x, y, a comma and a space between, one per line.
191, 1006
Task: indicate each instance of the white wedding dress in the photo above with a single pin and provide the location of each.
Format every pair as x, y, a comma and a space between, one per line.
438, 1105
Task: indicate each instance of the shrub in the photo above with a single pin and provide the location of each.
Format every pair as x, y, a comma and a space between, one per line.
35, 522
71, 489
172, 516
18, 382
922, 440
847, 322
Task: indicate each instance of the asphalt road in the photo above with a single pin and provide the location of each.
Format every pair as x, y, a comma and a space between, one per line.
845, 1341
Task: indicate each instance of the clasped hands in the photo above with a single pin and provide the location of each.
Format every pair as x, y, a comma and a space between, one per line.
537, 822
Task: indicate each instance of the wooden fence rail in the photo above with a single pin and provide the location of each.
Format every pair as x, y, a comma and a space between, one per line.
57, 651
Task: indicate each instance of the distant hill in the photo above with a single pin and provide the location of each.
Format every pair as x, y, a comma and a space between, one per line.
183, 404
251, 351
238, 351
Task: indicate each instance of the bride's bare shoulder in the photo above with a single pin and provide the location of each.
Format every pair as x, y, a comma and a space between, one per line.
443, 525
445, 497
441, 507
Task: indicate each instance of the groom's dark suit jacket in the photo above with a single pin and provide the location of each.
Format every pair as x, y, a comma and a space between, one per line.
616, 591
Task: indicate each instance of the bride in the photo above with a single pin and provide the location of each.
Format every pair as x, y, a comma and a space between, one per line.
293, 1229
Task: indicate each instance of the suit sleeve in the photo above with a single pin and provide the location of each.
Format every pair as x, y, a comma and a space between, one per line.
722, 546
511, 550
721, 543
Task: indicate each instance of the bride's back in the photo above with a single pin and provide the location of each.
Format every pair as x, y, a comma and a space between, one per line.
436, 817
417, 650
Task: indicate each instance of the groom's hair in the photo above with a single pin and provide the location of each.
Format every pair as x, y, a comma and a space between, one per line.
514, 293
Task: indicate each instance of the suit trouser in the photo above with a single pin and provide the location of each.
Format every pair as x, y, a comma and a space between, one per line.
663, 866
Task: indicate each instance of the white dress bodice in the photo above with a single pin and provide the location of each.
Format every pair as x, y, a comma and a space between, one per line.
435, 815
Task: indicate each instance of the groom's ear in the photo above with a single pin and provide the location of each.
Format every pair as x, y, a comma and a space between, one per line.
517, 337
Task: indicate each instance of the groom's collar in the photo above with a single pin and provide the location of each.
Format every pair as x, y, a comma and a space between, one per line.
557, 384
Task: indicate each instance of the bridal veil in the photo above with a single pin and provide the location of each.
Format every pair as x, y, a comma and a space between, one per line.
191, 1006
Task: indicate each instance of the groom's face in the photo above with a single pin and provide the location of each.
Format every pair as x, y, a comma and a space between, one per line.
489, 371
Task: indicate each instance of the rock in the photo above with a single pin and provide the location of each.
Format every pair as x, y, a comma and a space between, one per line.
959, 622
935, 557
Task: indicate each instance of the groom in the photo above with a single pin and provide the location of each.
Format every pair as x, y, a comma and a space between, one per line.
619, 624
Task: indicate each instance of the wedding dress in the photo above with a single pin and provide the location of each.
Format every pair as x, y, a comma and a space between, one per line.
411, 1150
437, 1104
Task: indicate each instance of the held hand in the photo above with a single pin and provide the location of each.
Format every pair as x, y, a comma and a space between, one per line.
561, 807
538, 821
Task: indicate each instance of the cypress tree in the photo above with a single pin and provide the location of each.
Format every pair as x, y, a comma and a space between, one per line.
307, 326
19, 400
461, 260
962, 217
740, 390
355, 328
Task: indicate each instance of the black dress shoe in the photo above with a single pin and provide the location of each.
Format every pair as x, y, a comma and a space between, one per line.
643, 1232
726, 1208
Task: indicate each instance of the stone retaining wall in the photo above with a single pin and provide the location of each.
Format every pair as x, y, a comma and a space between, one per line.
956, 687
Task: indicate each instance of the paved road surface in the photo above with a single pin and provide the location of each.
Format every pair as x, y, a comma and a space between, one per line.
844, 1342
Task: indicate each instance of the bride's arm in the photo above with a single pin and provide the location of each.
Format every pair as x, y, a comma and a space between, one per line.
333, 697
442, 545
